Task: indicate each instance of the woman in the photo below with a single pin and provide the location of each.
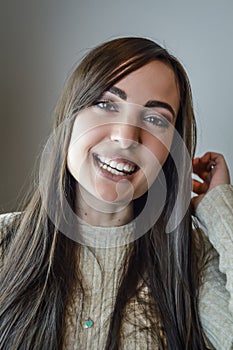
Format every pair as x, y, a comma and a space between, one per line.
124, 131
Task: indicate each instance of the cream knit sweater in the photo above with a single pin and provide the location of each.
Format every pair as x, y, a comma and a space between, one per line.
102, 269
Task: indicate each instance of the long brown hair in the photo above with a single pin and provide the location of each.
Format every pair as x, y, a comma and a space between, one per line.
35, 286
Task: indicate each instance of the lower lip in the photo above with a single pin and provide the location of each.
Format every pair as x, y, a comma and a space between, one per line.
110, 176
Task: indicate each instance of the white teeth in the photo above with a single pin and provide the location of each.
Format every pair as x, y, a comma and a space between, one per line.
112, 166
113, 171
127, 167
120, 166
104, 160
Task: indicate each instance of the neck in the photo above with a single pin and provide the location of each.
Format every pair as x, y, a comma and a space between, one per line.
99, 213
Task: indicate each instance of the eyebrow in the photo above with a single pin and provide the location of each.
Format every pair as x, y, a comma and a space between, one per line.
152, 103
162, 105
120, 93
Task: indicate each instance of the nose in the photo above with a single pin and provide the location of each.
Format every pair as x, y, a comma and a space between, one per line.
126, 135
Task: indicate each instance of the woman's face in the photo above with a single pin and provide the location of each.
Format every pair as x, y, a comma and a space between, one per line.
119, 145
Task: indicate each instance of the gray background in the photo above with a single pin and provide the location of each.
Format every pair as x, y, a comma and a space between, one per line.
41, 42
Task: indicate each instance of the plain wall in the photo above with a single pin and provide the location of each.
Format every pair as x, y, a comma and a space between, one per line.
41, 41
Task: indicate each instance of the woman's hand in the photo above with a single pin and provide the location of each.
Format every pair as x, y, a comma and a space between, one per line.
212, 170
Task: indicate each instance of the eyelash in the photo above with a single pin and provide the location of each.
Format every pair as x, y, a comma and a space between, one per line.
157, 120
109, 105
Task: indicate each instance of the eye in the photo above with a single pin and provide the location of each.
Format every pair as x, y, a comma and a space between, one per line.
157, 120
107, 106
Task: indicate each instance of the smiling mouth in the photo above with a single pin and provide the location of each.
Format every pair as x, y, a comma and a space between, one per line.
115, 166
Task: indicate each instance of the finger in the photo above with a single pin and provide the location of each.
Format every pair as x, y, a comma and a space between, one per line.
203, 175
199, 187
199, 165
200, 170
205, 164
216, 165
212, 158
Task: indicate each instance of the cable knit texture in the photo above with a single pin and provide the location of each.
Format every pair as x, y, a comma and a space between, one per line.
215, 213
102, 269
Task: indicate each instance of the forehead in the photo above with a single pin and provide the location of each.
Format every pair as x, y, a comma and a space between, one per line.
153, 81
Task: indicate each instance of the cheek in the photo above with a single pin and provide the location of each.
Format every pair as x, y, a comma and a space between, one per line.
73, 161
156, 155
80, 147
88, 128
158, 148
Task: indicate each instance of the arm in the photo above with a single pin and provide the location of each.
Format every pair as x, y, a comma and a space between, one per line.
214, 209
